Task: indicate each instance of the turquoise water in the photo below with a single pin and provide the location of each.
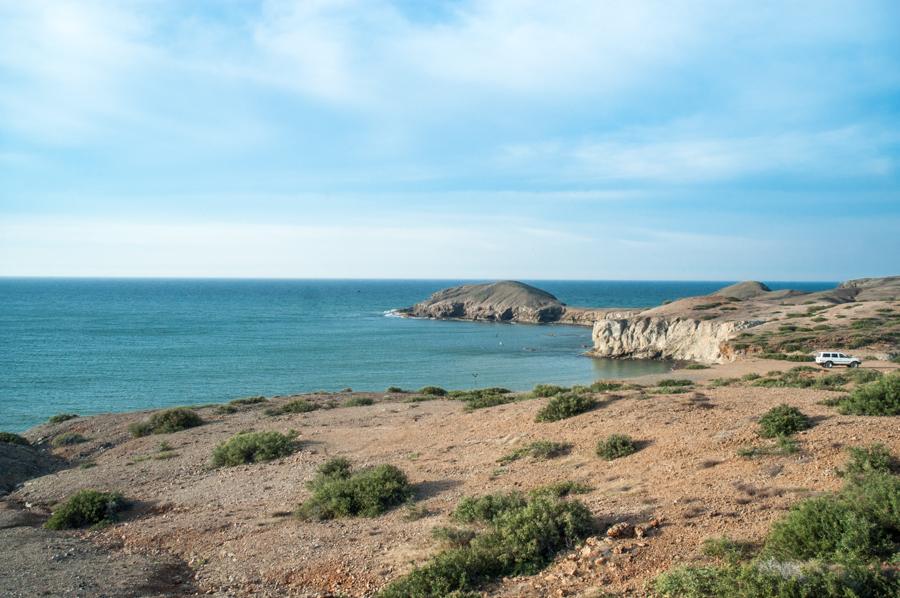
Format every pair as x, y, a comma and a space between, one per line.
92, 346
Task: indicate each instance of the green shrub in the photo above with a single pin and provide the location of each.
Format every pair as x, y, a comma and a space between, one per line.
166, 422
696, 366
485, 509
548, 390
453, 536
604, 386
539, 450
760, 581
521, 539
482, 398
61, 417
616, 446
565, 405
717, 382
561, 489
252, 447
433, 391
394, 390
295, 406
864, 460
727, 549
68, 438
881, 397
783, 420
338, 491
88, 507
787, 357
669, 382
248, 401
10, 438
359, 402
750, 377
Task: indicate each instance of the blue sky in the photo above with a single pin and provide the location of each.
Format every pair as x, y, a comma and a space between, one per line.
473, 139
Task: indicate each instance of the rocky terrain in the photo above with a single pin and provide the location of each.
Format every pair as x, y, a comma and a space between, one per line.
228, 531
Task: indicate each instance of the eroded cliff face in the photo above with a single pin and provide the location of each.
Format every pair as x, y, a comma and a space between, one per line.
659, 337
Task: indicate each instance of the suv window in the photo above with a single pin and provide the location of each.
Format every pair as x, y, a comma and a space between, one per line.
841, 355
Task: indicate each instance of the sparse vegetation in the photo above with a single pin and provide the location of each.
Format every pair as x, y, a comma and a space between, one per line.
727, 549
455, 537
248, 401
539, 450
61, 417
696, 366
616, 446
252, 447
864, 460
881, 397
295, 406
10, 438
674, 382
67, 439
338, 491
782, 420
394, 390
482, 398
565, 405
523, 536
548, 390
561, 489
433, 391
88, 507
604, 386
782, 447
359, 402
166, 422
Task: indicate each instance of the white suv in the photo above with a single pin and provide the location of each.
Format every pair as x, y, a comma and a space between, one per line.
827, 359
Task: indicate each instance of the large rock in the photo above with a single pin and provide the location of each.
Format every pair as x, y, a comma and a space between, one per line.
504, 301
744, 290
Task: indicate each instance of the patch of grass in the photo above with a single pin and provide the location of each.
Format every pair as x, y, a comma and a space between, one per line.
717, 382
85, 508
295, 406
565, 405
248, 401
792, 581
783, 447
252, 447
61, 417
338, 491
881, 397
787, 356
728, 550
875, 458
433, 391
166, 422
705, 306
359, 402
696, 366
67, 439
539, 450
522, 538
782, 420
10, 438
395, 390
414, 512
482, 398
616, 446
561, 489
670, 382
604, 386
548, 390
455, 537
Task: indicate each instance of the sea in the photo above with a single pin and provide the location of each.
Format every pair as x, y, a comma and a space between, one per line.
91, 346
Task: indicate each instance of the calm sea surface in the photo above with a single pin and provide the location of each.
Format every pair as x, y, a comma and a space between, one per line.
92, 346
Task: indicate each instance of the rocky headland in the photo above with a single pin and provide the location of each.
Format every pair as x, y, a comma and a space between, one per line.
740, 319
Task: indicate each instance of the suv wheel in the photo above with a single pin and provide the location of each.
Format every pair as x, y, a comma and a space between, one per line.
854, 364
827, 364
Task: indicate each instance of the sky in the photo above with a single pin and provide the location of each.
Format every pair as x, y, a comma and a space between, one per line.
481, 139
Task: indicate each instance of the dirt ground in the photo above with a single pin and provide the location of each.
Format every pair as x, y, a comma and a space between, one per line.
228, 532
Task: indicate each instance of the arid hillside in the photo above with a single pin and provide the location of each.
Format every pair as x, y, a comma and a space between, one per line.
700, 470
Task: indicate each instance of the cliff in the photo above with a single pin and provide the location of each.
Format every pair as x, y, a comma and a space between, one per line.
666, 337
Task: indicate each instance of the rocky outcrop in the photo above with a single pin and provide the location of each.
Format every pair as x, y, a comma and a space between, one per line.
744, 290
505, 301
666, 338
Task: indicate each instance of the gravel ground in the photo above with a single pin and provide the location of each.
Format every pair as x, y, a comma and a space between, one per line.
228, 531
